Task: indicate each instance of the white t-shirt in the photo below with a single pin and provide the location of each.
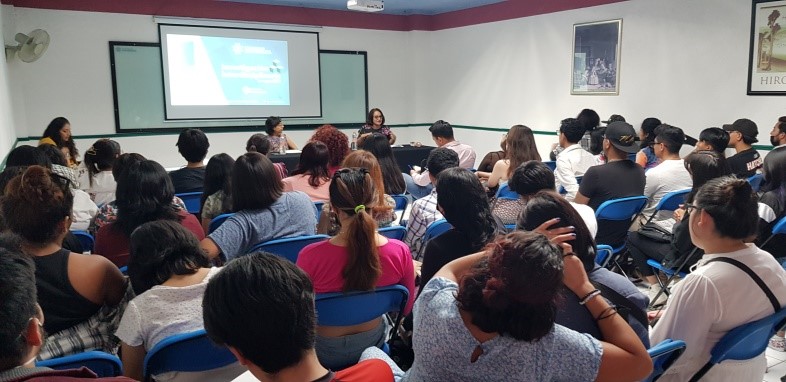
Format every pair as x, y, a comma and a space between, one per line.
83, 211
102, 190
670, 175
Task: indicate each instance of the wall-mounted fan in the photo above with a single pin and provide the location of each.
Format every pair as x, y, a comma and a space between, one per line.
30, 48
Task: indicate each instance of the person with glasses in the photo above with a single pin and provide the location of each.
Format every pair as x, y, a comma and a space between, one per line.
742, 135
356, 259
670, 175
720, 294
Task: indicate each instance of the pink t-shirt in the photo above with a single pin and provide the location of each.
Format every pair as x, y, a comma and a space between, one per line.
300, 183
324, 263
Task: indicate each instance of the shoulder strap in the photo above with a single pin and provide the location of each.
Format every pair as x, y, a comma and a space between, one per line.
773, 300
621, 301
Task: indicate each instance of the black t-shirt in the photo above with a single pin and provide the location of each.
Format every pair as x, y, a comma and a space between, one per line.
188, 179
613, 180
777, 245
745, 163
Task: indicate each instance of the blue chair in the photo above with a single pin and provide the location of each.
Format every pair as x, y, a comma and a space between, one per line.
504, 192
778, 229
217, 221
663, 355
510, 227
187, 352
673, 273
552, 164
394, 232
744, 342
191, 200
670, 202
756, 181
353, 308
402, 201
603, 254
435, 229
124, 270
103, 364
318, 206
288, 248
86, 239
622, 209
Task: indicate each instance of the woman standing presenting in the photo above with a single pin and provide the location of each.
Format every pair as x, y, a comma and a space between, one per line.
375, 123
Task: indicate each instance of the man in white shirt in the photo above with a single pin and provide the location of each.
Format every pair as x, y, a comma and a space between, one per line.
670, 175
573, 161
419, 183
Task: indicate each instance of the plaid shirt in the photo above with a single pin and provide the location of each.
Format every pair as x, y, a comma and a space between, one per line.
424, 212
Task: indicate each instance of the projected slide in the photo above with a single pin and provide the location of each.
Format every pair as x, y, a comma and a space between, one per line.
209, 70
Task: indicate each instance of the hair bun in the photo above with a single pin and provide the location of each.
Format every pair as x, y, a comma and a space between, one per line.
494, 295
35, 185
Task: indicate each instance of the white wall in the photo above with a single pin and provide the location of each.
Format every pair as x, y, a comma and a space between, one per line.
7, 133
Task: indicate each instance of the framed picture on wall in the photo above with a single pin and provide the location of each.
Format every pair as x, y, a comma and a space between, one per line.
596, 58
767, 62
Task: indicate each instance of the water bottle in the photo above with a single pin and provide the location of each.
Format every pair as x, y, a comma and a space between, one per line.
282, 146
352, 145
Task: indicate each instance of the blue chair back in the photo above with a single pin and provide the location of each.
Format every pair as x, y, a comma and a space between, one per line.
86, 239
756, 181
186, 352
670, 202
744, 342
621, 209
435, 229
603, 253
191, 200
663, 355
552, 164
103, 364
346, 309
318, 206
124, 270
395, 232
402, 201
288, 248
510, 227
778, 229
217, 221
504, 192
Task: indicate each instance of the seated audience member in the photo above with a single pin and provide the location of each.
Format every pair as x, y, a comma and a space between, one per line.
702, 166
169, 275
548, 211
84, 209
58, 134
336, 142
263, 211
216, 195
192, 144
464, 203
311, 175
382, 212
356, 259
596, 144
573, 161
108, 212
715, 139
260, 144
375, 124
28, 156
646, 157
499, 307
21, 334
590, 120
419, 183
95, 172
670, 175
488, 161
772, 206
532, 177
718, 296
81, 296
57, 163
144, 194
742, 135
391, 173
778, 133
275, 135
424, 210
520, 144
264, 299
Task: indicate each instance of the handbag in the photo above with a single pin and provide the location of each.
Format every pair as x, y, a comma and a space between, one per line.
655, 233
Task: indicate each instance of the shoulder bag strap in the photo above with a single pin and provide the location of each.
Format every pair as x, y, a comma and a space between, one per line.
773, 300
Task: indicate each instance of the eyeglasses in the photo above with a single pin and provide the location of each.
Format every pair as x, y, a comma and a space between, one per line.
690, 207
657, 143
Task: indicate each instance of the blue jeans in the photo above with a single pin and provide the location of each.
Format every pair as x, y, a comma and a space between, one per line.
415, 190
336, 353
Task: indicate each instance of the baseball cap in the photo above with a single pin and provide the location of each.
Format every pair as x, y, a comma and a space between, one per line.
622, 136
746, 127
614, 118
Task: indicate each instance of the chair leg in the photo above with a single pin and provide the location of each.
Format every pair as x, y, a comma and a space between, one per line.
664, 285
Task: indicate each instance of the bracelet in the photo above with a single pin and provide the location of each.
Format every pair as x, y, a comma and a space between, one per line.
589, 296
604, 315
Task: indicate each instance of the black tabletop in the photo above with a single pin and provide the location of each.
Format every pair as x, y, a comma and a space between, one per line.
405, 156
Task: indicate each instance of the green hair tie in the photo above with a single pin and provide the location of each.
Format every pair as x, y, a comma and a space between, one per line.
359, 208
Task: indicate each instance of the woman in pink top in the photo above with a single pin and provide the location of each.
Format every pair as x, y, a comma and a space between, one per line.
357, 259
311, 175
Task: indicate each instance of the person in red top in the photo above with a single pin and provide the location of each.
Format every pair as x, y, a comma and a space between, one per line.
261, 307
144, 194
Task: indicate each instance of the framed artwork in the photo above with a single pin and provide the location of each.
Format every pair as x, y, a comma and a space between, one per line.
596, 58
767, 62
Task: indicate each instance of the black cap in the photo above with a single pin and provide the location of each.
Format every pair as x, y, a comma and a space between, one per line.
615, 118
746, 127
622, 136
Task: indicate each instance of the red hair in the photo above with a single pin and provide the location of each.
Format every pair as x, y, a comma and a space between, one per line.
336, 142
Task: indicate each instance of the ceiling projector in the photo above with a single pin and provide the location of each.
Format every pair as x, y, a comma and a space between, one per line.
366, 5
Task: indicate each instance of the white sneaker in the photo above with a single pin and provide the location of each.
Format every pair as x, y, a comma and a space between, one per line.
652, 291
